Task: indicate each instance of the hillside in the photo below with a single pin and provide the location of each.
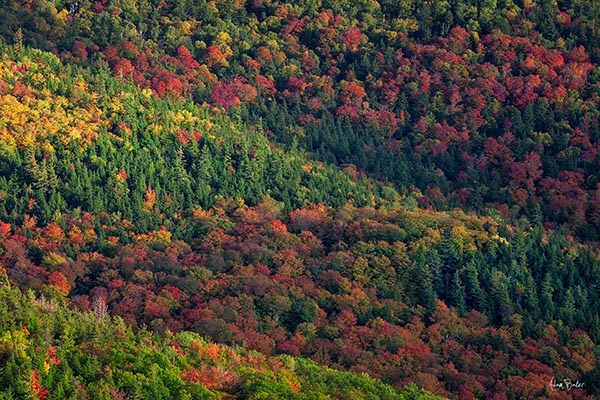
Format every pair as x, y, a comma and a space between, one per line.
476, 104
50, 352
284, 180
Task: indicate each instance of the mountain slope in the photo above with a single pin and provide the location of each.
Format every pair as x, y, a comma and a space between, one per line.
476, 104
158, 168
74, 139
50, 352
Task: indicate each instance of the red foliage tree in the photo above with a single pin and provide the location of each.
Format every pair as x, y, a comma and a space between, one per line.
80, 51
223, 95
352, 39
265, 86
186, 59
165, 83
352, 94
214, 57
123, 68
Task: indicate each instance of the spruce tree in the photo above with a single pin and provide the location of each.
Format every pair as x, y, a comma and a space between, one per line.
456, 294
474, 295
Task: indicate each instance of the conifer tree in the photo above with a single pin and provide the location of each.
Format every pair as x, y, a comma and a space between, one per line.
456, 294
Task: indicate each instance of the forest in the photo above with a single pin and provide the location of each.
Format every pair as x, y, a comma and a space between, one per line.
321, 199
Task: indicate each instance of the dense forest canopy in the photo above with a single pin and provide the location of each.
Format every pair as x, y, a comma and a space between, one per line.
404, 191
475, 104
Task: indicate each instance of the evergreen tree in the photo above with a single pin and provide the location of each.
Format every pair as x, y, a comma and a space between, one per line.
474, 295
422, 278
456, 294
499, 288
568, 310
546, 298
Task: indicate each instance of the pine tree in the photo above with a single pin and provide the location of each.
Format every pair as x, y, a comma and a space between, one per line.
532, 306
474, 295
423, 281
500, 296
546, 298
568, 310
449, 260
456, 294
